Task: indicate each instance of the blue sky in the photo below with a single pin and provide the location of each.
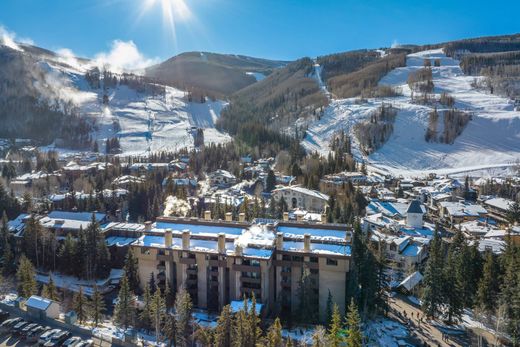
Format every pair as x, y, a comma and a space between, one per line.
281, 29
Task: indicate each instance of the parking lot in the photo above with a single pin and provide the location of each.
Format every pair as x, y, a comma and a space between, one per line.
17, 331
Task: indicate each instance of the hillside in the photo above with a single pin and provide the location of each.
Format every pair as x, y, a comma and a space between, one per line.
68, 107
216, 74
490, 138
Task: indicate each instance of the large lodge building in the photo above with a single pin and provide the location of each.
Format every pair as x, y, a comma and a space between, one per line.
223, 261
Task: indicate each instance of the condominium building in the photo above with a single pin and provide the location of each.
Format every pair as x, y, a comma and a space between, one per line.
223, 261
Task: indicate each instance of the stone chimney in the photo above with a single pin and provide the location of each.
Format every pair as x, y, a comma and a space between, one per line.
242, 217
238, 250
222, 243
348, 236
229, 217
147, 226
299, 217
286, 216
207, 215
185, 239
279, 241
307, 242
168, 238
323, 218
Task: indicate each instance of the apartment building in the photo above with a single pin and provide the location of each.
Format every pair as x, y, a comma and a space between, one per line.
221, 261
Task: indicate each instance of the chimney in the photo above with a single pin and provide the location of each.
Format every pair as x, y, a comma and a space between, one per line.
207, 215
185, 239
286, 216
147, 226
242, 217
307, 243
299, 217
168, 238
238, 250
323, 218
279, 241
222, 243
229, 217
348, 237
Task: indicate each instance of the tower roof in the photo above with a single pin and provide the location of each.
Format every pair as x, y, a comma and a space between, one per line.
415, 207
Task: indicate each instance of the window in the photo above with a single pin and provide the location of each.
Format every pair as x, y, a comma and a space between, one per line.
332, 262
297, 258
286, 257
314, 259
315, 271
294, 203
145, 251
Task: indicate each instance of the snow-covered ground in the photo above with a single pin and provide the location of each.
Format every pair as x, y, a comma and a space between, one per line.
146, 122
491, 138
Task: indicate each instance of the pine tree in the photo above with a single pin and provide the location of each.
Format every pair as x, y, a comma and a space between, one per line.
329, 309
223, 329
289, 343
513, 214
49, 291
241, 333
151, 283
319, 337
433, 278
205, 336
452, 286
6, 251
125, 306
254, 323
26, 276
335, 338
274, 334
97, 306
80, 305
158, 310
183, 318
145, 318
355, 336
488, 287
270, 181
170, 330
132, 271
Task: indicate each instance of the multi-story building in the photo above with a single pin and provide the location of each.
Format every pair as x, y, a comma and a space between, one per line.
223, 261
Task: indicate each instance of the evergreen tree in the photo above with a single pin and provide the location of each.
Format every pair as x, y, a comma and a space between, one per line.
151, 283
308, 301
97, 306
254, 324
319, 337
488, 287
329, 309
510, 291
49, 291
354, 334
170, 330
270, 181
289, 343
6, 251
205, 336
452, 286
132, 271
80, 304
432, 297
26, 276
513, 214
145, 318
158, 310
274, 334
335, 337
125, 306
183, 318
223, 329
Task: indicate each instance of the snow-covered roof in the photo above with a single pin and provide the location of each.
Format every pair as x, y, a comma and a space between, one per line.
119, 241
200, 229
318, 248
305, 191
39, 303
16, 225
495, 246
298, 232
238, 305
70, 220
411, 281
499, 203
457, 209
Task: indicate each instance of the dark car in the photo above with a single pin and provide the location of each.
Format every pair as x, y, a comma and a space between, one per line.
6, 325
3, 315
25, 330
58, 339
34, 334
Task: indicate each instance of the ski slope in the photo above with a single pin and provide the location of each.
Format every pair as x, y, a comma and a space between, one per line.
143, 122
491, 138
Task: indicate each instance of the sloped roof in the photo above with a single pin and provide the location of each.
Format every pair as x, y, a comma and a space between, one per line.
415, 207
411, 281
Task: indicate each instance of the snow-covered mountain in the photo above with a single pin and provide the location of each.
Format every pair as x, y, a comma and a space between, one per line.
143, 119
491, 138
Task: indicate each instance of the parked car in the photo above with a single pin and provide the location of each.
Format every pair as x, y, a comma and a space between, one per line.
6, 325
15, 330
25, 330
3, 315
71, 342
58, 339
87, 343
47, 336
34, 335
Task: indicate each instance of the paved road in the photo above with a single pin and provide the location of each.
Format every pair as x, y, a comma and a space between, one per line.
425, 333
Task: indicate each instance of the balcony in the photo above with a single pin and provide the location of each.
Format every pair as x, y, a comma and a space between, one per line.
250, 280
246, 268
161, 267
188, 261
164, 257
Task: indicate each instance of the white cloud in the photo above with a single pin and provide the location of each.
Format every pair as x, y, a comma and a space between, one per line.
123, 56
8, 39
